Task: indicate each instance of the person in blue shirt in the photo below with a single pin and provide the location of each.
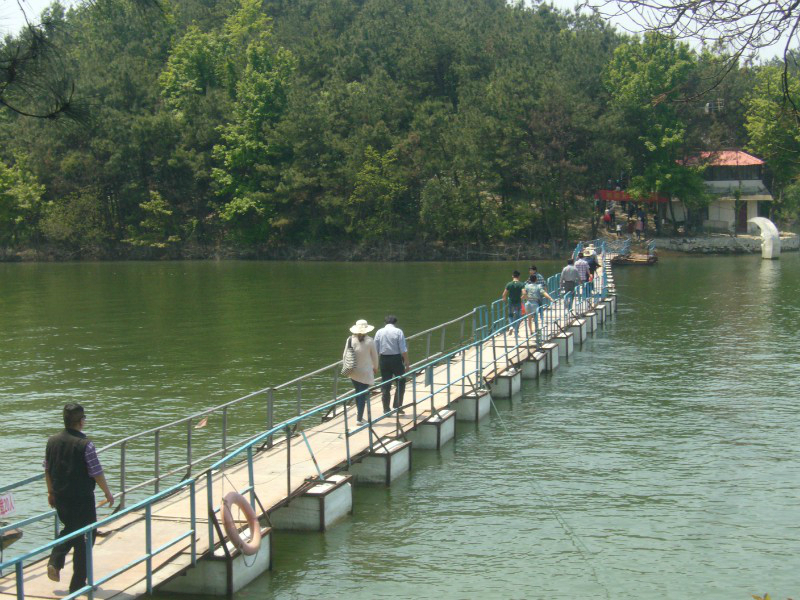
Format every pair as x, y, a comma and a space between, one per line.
390, 342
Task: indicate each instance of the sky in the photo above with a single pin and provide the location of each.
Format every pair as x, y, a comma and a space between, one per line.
13, 13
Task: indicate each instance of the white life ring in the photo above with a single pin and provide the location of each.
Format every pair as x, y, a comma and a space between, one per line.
251, 546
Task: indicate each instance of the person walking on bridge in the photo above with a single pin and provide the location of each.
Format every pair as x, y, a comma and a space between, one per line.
569, 281
71, 471
393, 351
534, 298
535, 276
513, 295
583, 269
363, 374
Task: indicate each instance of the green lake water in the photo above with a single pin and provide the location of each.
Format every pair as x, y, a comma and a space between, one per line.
660, 461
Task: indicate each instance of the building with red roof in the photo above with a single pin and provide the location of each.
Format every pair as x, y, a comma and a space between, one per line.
729, 173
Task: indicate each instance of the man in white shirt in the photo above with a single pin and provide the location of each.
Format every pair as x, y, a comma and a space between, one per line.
393, 359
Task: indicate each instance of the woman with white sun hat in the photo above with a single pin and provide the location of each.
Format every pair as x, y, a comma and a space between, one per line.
366, 364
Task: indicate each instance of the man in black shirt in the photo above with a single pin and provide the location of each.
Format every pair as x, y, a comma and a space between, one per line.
71, 471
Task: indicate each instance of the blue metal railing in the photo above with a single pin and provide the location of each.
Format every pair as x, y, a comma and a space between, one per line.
194, 452
89, 533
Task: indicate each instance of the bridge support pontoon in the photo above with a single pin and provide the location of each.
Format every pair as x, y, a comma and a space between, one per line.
435, 432
507, 383
385, 463
318, 508
473, 406
224, 572
533, 366
600, 311
550, 350
578, 329
566, 343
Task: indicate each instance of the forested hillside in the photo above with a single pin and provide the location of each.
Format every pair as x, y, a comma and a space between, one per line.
266, 125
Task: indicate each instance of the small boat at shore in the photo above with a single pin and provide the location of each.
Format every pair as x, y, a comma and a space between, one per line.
635, 259
9, 537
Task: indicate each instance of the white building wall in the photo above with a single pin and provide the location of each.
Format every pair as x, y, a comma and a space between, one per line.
752, 211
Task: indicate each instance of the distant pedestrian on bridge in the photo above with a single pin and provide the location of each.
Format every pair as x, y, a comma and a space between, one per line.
583, 269
534, 296
363, 375
71, 471
534, 275
590, 256
513, 295
393, 352
569, 281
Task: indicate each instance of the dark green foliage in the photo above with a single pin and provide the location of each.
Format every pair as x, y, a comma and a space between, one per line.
269, 123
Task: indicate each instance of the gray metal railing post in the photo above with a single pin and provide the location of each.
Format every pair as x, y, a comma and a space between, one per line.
122, 474
157, 456
148, 546
369, 418
193, 517
299, 398
225, 430
441, 345
251, 477
335, 382
288, 461
414, 398
55, 525
270, 414
347, 431
463, 372
479, 376
189, 447
449, 382
210, 497
428, 346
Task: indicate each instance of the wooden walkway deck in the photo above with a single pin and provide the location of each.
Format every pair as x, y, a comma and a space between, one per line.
116, 547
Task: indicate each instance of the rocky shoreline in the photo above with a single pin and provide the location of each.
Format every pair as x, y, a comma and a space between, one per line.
397, 252
724, 244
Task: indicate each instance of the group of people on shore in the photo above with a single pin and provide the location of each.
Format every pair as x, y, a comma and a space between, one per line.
635, 223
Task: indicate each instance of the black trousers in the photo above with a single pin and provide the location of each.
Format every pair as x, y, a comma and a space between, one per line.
75, 514
392, 366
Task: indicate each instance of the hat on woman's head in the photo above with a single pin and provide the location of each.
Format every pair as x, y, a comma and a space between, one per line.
361, 326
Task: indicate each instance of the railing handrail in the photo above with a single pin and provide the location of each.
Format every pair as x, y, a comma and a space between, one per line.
211, 410
150, 500
330, 404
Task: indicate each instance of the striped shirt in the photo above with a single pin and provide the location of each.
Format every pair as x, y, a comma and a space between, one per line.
583, 269
92, 462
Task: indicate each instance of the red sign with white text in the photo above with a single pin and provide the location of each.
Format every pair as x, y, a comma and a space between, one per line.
7, 507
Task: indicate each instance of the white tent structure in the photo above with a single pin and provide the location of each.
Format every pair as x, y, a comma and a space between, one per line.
770, 237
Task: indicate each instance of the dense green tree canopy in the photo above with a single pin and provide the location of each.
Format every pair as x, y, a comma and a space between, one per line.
268, 124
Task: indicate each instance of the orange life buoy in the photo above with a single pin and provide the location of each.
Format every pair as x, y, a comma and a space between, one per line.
251, 546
